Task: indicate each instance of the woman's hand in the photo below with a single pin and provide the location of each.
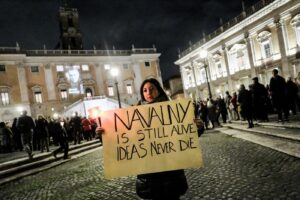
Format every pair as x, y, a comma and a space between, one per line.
99, 131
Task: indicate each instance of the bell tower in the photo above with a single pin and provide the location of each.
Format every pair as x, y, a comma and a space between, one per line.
70, 35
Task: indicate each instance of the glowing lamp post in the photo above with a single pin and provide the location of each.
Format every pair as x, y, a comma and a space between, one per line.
114, 72
203, 55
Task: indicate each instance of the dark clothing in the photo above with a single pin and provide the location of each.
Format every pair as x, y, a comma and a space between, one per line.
62, 139
245, 101
292, 95
221, 107
278, 93
26, 125
162, 185
42, 132
259, 101
77, 129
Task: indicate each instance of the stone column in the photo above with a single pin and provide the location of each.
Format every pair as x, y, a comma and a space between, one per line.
183, 80
224, 52
22, 82
136, 68
284, 60
250, 55
49, 82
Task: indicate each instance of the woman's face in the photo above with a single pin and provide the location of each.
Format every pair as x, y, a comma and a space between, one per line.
150, 92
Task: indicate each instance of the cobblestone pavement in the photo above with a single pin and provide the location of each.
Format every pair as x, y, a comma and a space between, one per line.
234, 169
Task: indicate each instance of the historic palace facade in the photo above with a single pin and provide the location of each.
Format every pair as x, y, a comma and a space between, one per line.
44, 81
263, 37
49, 81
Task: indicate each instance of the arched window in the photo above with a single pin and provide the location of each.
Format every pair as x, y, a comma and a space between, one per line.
295, 22
265, 40
88, 92
5, 97
37, 94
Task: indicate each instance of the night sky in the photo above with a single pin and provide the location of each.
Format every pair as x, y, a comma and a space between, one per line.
168, 24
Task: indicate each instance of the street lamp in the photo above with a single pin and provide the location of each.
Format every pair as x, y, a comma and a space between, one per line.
114, 72
203, 55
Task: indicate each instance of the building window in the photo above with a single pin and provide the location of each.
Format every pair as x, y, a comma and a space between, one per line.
264, 38
88, 92
110, 91
147, 64
267, 49
34, 69
295, 22
2, 68
4, 98
38, 97
107, 67
59, 68
85, 68
125, 66
64, 94
129, 89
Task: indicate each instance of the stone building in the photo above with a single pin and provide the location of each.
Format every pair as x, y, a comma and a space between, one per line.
46, 81
263, 37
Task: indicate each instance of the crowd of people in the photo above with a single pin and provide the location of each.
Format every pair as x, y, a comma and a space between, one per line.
255, 103
27, 134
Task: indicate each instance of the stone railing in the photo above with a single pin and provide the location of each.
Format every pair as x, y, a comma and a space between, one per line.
46, 52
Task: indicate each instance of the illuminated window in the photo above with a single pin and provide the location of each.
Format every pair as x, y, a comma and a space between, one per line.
34, 69
295, 22
2, 68
64, 94
125, 66
267, 49
147, 64
107, 67
88, 92
38, 97
129, 88
4, 98
110, 91
85, 68
59, 68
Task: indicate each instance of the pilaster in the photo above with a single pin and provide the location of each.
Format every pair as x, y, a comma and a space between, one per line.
49, 82
224, 52
23, 82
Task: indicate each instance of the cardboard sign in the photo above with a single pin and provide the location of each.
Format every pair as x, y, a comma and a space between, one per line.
150, 138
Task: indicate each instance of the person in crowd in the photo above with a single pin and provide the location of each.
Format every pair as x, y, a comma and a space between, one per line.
278, 94
234, 103
292, 95
221, 107
26, 125
6, 138
212, 112
77, 128
244, 99
259, 100
16, 136
162, 185
204, 114
228, 106
87, 129
62, 138
42, 130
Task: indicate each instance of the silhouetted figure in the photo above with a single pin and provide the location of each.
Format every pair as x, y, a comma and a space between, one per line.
16, 136
244, 99
292, 95
42, 131
26, 125
278, 93
77, 128
62, 139
259, 100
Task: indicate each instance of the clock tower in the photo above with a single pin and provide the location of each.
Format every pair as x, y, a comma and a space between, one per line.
70, 35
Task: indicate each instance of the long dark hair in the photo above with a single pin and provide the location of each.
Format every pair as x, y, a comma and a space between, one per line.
161, 92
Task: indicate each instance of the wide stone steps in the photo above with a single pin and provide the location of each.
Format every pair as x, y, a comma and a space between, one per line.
18, 168
278, 137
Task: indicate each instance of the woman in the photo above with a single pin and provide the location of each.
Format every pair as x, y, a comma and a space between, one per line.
162, 185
